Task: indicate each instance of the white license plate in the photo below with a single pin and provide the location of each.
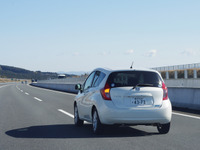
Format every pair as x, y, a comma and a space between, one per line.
138, 101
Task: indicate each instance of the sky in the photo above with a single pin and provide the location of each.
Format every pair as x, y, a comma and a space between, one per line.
81, 35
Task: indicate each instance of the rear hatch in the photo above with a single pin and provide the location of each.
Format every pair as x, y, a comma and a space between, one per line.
126, 97
136, 89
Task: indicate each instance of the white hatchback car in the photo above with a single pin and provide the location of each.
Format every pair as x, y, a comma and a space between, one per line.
114, 97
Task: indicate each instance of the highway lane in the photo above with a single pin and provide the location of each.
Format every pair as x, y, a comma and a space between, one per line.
33, 118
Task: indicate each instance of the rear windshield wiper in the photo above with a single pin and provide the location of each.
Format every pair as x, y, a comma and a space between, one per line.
142, 85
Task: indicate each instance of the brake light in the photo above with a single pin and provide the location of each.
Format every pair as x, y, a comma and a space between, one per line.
165, 91
105, 92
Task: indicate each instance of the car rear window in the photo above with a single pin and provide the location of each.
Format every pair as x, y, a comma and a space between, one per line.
134, 78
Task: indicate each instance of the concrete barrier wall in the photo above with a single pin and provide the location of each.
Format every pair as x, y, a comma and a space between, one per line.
59, 87
187, 83
185, 97
68, 80
180, 97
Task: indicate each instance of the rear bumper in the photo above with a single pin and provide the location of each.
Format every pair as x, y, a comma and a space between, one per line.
109, 114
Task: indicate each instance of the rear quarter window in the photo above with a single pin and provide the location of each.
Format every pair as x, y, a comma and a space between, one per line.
99, 76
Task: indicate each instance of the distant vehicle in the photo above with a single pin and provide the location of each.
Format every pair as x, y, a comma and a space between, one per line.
22, 82
114, 97
34, 80
61, 76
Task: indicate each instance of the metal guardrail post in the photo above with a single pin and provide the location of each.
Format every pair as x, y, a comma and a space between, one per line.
167, 75
195, 74
185, 74
175, 74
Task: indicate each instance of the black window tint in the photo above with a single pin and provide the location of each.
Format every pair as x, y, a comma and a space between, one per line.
88, 82
99, 76
133, 78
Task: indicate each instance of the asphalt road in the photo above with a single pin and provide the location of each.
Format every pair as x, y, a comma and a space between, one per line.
37, 119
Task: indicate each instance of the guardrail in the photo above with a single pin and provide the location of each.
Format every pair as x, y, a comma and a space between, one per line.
178, 67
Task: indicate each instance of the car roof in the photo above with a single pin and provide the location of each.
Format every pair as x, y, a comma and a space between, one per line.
108, 71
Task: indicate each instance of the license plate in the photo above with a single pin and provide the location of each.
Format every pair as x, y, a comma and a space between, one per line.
138, 101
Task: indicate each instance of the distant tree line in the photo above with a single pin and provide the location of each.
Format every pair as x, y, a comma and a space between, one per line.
19, 73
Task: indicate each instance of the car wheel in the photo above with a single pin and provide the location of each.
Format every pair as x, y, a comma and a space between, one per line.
163, 128
77, 121
97, 127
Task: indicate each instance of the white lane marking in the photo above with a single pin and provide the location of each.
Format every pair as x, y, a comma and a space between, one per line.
66, 113
3, 86
184, 115
21, 90
26, 93
195, 117
18, 87
37, 99
70, 115
52, 90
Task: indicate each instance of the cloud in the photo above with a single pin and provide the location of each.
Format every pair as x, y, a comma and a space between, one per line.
104, 53
76, 53
151, 53
129, 52
189, 52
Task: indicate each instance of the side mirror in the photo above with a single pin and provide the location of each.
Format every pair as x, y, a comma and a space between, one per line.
78, 87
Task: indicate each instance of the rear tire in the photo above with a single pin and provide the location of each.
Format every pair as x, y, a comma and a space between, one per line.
163, 128
97, 127
77, 121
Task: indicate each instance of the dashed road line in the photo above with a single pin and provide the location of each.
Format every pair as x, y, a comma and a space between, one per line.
26, 93
18, 87
66, 113
3, 86
70, 115
37, 99
21, 90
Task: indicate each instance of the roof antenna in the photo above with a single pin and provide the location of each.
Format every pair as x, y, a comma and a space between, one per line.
132, 65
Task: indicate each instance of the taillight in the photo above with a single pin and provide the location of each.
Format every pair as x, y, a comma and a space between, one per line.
105, 92
165, 91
